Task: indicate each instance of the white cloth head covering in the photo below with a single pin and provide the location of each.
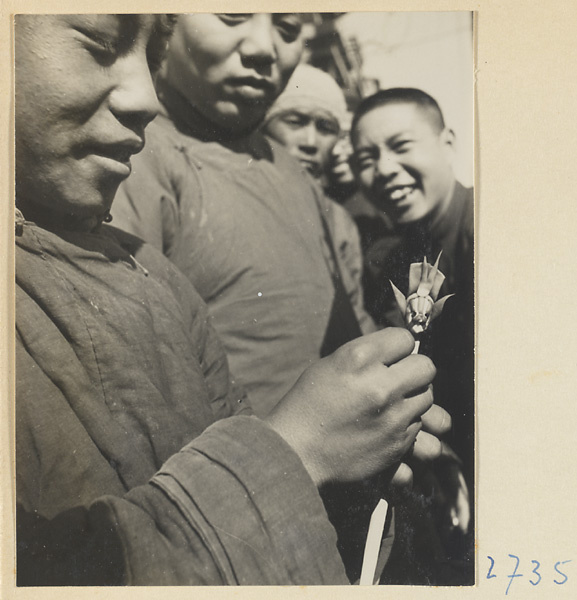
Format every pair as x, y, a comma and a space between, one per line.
310, 87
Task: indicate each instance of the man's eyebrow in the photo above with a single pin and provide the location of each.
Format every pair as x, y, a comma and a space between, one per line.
372, 149
402, 134
393, 139
328, 118
294, 111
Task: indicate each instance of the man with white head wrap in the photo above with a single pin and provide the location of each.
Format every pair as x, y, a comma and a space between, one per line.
307, 118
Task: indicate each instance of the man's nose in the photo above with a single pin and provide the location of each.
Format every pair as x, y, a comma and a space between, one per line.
134, 100
309, 137
387, 165
258, 44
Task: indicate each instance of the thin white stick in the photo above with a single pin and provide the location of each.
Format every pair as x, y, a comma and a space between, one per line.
375, 533
373, 543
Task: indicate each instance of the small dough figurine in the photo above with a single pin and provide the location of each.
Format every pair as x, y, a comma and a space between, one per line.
421, 306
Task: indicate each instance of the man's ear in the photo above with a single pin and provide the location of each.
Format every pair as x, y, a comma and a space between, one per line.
448, 137
448, 140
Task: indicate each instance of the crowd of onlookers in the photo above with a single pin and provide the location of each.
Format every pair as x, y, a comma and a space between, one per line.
214, 382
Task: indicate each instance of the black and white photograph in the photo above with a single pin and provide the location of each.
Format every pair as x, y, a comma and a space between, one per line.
245, 299
260, 337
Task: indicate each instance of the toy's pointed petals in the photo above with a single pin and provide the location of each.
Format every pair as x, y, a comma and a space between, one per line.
425, 270
415, 271
427, 280
439, 305
438, 259
400, 298
439, 279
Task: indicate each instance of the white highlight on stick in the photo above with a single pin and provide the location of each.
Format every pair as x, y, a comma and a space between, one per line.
373, 543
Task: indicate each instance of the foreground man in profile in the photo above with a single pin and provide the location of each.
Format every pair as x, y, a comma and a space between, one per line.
129, 469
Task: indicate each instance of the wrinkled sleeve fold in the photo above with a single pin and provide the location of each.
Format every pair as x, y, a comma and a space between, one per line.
235, 506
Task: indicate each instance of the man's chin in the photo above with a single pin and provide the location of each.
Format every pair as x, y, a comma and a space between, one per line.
314, 171
405, 217
240, 119
403, 214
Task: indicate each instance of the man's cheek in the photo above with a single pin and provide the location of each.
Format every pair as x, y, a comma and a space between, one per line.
288, 62
366, 182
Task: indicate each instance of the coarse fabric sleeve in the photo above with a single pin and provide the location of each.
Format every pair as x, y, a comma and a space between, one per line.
122, 476
233, 507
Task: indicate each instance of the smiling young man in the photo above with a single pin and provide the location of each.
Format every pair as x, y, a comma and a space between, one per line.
403, 161
403, 154
128, 470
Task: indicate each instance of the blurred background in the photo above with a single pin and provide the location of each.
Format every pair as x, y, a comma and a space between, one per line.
432, 51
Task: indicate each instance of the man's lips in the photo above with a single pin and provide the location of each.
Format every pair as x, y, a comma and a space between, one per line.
113, 156
120, 151
312, 166
261, 83
251, 87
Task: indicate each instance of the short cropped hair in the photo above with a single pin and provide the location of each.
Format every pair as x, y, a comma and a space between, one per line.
427, 104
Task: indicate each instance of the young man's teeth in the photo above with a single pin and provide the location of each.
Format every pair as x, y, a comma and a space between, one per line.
400, 193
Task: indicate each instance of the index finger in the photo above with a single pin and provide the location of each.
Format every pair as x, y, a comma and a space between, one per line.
387, 346
413, 373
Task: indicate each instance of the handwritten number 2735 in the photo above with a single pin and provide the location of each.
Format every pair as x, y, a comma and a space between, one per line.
535, 571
